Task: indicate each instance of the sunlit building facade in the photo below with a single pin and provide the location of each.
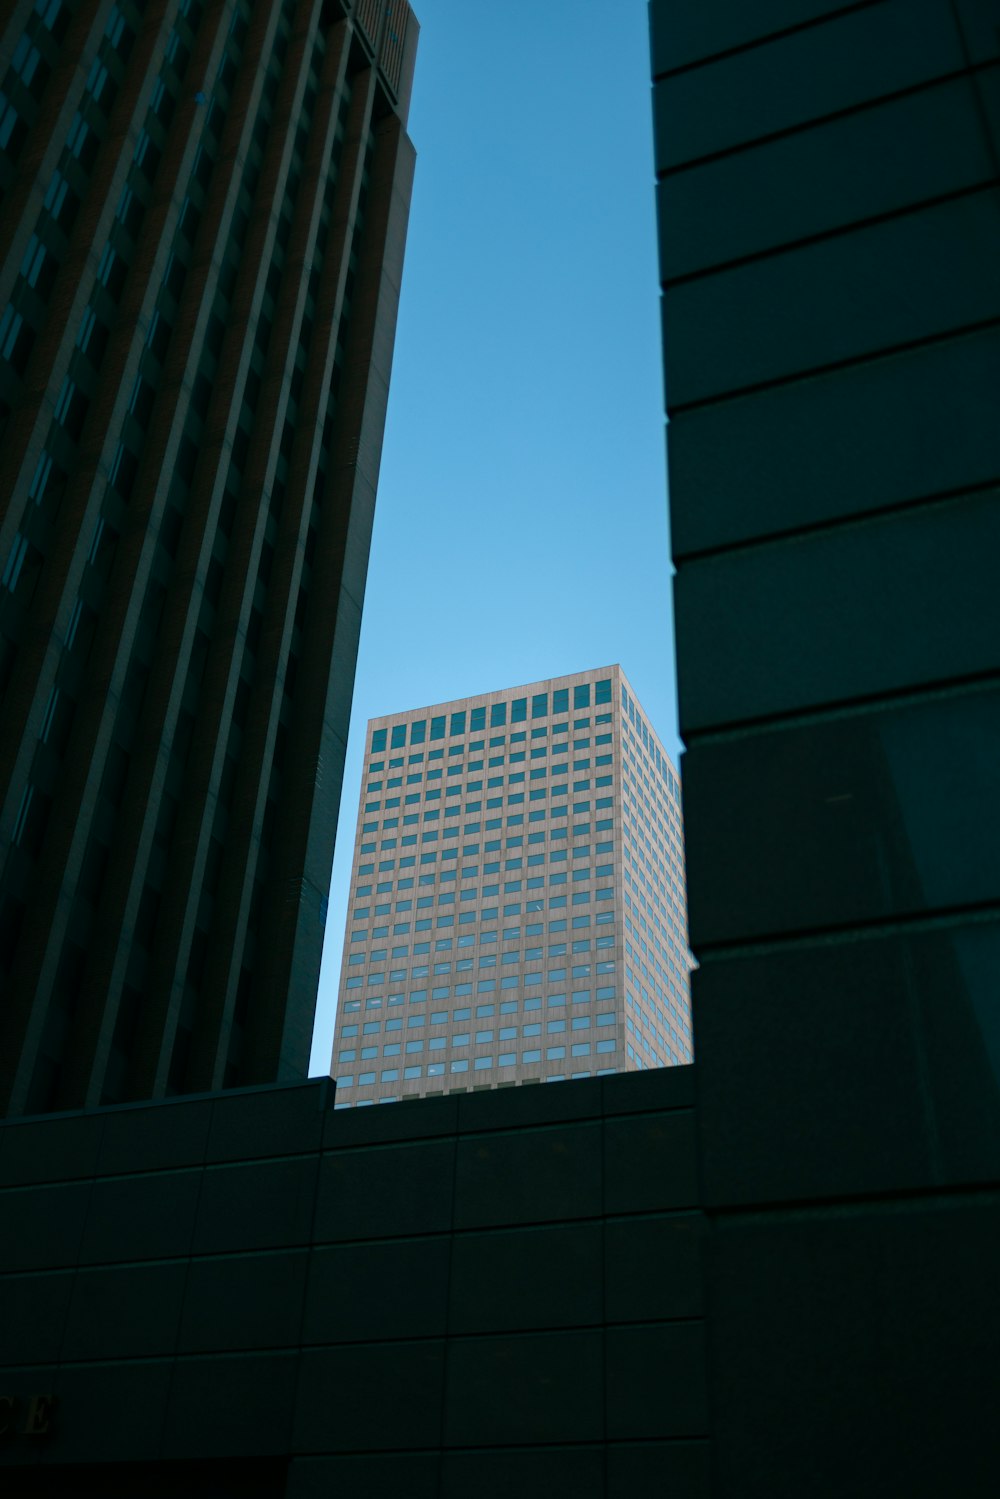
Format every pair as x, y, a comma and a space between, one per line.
517, 904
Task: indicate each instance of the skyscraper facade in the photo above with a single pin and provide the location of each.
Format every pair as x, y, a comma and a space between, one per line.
517, 906
203, 213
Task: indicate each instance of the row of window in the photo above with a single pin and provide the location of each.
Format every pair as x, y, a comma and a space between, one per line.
502, 742
474, 720
488, 913
486, 961
489, 985
431, 856
376, 768
493, 803
463, 1013
465, 940
482, 1037
479, 1064
510, 887
502, 751
516, 820
509, 934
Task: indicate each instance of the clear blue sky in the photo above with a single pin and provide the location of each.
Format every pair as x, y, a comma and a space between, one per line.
521, 527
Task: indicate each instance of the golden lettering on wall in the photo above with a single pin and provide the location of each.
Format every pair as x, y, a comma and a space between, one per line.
36, 1421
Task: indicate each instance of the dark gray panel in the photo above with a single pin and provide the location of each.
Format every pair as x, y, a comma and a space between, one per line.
269, 1121
678, 1470
861, 818
49, 1150
346, 1396
230, 1407
649, 1163
34, 1313
872, 1330
154, 1136
919, 276
529, 1472
880, 607
394, 1289
913, 425
141, 1217
243, 1301
135, 1392
262, 1205
373, 1475
512, 1108
977, 20
386, 1190
413, 1119
653, 1267
852, 60
528, 1176
860, 166
526, 1278
41, 1227
689, 31
128, 1311
656, 1089
539, 1387
865, 1067
656, 1381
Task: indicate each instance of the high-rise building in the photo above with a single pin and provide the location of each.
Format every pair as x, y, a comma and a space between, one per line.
517, 906
203, 213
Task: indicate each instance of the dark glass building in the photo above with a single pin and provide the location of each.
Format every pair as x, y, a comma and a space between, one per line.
203, 207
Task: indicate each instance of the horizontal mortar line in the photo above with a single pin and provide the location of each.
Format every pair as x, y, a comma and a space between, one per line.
299, 1246
833, 525
825, 236
764, 41
817, 372
443, 1450
299, 1345
818, 122
856, 1204
986, 913
837, 709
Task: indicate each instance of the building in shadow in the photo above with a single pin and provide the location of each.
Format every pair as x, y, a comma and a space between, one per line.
202, 229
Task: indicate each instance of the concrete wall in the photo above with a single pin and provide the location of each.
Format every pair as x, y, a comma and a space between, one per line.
467, 1295
829, 216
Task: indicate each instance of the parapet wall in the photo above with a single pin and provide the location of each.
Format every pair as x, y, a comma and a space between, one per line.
477, 1294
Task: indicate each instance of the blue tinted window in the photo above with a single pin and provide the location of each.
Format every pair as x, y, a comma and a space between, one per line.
458, 723
518, 709
378, 740
437, 727
418, 732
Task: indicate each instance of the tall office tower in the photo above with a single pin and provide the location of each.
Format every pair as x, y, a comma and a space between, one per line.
204, 206
517, 909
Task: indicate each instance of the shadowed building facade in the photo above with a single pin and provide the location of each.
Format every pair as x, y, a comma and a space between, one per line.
829, 201
516, 908
204, 206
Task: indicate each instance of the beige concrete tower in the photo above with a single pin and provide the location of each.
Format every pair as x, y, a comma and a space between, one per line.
517, 908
